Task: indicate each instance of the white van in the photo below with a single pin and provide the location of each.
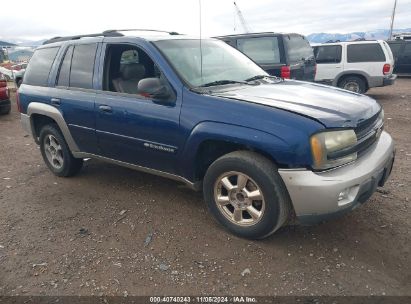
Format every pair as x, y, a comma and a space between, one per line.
355, 65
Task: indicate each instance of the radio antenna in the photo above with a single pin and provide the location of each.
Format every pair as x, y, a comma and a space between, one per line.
201, 44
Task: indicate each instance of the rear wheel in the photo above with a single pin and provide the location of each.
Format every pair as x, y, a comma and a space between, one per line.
56, 153
245, 193
353, 84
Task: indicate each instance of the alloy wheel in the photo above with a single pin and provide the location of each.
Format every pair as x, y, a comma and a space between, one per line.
54, 152
239, 198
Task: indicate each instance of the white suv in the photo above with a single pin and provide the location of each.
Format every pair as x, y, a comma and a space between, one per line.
355, 65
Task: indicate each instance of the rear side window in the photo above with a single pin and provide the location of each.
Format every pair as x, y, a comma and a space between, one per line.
298, 48
263, 50
328, 54
38, 70
82, 66
370, 52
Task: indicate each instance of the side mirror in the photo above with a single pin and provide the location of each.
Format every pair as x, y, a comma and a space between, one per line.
155, 89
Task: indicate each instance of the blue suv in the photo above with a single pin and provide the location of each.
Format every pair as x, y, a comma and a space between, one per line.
263, 149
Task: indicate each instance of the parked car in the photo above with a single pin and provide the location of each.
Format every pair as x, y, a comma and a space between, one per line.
261, 148
8, 74
401, 50
5, 105
19, 66
355, 65
284, 55
18, 77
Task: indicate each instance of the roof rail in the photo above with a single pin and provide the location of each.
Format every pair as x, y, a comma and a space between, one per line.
107, 33
139, 30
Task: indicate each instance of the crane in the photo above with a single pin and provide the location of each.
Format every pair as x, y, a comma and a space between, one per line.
241, 17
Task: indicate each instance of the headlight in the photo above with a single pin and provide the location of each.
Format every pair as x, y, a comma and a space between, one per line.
325, 148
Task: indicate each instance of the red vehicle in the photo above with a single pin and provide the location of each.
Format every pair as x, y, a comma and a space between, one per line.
5, 105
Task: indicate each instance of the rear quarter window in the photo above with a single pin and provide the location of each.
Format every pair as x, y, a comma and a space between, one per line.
38, 70
298, 48
367, 52
263, 50
82, 66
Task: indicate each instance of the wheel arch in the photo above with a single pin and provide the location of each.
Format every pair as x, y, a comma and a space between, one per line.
210, 140
361, 74
41, 114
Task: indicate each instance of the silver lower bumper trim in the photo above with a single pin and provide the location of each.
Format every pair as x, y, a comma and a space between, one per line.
315, 193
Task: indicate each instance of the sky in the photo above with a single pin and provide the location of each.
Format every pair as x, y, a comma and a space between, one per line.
40, 19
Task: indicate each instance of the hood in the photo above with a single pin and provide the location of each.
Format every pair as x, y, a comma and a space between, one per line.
333, 107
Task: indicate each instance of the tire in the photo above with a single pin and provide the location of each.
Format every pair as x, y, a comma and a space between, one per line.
5, 110
273, 205
19, 82
61, 162
353, 84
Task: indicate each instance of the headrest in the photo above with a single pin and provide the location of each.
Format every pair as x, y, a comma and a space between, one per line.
133, 71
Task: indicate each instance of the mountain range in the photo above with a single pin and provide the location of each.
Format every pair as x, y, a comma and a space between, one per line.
313, 38
370, 35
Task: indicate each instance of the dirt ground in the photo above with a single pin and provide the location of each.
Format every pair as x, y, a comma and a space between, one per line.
114, 231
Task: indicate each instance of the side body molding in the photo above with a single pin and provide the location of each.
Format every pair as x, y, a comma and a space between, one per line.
55, 114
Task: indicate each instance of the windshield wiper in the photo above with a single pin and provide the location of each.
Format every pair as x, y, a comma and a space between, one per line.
257, 77
222, 82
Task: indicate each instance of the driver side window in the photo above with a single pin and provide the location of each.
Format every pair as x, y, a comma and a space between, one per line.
125, 66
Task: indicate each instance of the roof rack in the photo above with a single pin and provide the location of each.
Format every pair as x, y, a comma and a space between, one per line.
107, 33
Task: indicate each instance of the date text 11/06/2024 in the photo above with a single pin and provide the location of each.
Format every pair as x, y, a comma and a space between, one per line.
203, 299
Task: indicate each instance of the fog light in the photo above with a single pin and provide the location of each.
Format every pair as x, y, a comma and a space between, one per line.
343, 194
348, 195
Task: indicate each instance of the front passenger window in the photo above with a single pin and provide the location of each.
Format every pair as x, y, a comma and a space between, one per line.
125, 66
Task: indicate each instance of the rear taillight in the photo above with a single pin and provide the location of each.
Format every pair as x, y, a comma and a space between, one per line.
386, 69
285, 72
315, 70
3, 83
18, 102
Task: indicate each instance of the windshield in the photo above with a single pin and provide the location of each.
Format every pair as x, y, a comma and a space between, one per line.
221, 64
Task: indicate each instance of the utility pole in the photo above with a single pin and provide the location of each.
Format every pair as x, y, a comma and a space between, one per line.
392, 19
242, 19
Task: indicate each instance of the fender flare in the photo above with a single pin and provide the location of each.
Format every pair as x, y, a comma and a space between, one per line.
350, 72
55, 114
229, 133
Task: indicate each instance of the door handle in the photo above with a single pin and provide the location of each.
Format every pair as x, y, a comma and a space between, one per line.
55, 101
105, 109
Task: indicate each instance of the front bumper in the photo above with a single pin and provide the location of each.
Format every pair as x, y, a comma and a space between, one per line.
318, 196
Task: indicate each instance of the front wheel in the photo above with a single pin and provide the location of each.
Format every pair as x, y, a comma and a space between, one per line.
245, 193
56, 153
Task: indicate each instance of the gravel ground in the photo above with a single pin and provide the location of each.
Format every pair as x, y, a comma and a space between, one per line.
114, 231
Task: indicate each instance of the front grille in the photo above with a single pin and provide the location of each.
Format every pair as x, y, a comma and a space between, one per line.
365, 126
368, 132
